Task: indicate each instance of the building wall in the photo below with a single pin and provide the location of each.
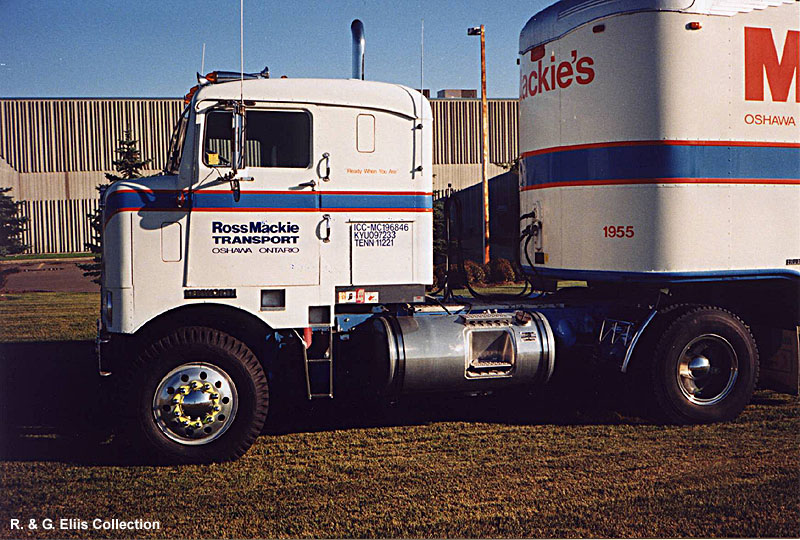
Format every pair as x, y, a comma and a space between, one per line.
59, 150
80, 135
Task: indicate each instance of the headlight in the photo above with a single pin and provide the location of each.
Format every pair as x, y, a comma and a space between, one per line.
108, 307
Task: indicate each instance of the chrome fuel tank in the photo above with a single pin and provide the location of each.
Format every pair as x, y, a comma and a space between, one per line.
467, 352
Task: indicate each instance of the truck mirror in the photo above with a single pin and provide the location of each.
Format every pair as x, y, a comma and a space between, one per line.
237, 139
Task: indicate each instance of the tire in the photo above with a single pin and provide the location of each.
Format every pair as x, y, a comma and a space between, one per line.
705, 367
200, 395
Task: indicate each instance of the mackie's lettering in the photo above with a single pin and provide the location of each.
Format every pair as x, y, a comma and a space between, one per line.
547, 77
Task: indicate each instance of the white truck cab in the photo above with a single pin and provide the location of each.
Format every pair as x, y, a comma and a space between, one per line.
330, 203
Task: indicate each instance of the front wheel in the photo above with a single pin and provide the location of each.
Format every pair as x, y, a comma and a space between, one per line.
705, 367
200, 395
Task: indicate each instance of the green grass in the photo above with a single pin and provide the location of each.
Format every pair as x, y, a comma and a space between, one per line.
48, 316
444, 468
445, 478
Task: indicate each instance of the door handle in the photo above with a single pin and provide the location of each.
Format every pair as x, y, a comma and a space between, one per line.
326, 228
327, 157
311, 183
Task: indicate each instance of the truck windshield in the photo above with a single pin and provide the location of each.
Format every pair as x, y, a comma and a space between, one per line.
176, 144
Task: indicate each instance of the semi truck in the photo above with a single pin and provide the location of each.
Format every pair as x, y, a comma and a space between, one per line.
286, 250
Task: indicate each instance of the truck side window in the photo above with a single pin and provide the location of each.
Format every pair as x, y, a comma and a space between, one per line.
217, 147
273, 139
278, 139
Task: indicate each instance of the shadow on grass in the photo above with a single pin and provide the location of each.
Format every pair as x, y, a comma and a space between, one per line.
51, 407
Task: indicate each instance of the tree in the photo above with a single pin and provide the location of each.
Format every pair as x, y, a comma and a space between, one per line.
11, 225
128, 166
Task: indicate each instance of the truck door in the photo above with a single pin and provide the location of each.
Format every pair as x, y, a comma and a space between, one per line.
270, 236
373, 197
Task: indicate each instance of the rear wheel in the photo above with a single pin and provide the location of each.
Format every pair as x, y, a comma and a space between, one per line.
705, 367
200, 395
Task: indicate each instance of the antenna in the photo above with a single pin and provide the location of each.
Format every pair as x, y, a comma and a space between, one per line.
241, 50
421, 86
203, 60
421, 60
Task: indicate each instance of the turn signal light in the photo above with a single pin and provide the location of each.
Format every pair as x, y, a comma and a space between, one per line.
188, 97
537, 53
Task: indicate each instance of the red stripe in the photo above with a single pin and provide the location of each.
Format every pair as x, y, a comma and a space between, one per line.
424, 193
234, 210
756, 144
275, 192
650, 181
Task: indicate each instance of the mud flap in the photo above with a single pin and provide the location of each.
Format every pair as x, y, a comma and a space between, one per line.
781, 372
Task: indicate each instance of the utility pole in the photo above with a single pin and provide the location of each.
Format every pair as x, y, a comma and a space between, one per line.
480, 30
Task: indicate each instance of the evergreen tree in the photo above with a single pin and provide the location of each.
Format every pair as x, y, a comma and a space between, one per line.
128, 166
11, 225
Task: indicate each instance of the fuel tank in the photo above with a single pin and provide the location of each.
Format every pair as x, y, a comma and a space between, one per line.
443, 353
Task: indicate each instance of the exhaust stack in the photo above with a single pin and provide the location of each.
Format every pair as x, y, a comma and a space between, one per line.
357, 28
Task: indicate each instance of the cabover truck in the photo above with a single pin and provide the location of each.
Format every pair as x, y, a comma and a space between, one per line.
286, 249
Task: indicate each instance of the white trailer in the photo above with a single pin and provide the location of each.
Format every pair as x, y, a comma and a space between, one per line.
286, 249
661, 142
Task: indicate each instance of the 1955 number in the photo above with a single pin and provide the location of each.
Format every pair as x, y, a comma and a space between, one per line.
619, 231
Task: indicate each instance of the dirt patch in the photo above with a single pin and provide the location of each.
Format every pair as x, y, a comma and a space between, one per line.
45, 276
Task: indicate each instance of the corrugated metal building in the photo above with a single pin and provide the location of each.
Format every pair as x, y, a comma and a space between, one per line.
59, 150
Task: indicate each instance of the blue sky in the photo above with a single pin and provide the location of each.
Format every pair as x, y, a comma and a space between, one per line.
148, 48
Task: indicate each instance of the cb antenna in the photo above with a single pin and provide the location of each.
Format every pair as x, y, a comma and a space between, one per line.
241, 50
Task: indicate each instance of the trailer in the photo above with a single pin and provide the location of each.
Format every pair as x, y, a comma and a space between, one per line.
286, 249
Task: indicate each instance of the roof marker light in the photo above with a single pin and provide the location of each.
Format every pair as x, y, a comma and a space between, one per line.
598, 28
694, 25
537, 53
188, 97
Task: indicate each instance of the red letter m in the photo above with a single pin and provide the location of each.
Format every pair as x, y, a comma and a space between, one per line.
760, 55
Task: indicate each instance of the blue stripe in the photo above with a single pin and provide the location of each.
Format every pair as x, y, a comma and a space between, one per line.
343, 200
168, 200
661, 277
261, 201
662, 161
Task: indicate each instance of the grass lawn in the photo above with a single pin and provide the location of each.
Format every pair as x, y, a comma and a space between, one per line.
48, 316
561, 466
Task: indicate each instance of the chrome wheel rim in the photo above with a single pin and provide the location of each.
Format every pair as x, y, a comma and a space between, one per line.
195, 403
707, 369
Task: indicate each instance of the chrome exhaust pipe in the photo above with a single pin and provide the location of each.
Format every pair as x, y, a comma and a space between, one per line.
357, 28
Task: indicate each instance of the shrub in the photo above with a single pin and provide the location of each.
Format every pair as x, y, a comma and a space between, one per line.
499, 271
474, 272
11, 225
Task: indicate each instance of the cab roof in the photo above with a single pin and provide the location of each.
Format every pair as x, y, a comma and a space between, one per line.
389, 97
